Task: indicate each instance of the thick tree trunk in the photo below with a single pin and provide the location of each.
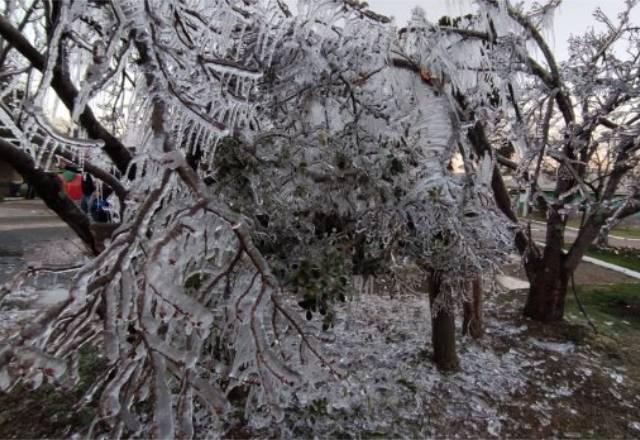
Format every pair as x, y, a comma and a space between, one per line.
472, 323
549, 274
443, 330
549, 281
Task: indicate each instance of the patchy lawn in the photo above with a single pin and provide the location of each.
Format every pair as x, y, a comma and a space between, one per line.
615, 311
523, 379
48, 412
593, 389
625, 257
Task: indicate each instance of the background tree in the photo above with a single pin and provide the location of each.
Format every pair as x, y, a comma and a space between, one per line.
577, 117
594, 147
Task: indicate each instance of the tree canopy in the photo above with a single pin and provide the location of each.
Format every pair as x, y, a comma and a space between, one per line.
265, 156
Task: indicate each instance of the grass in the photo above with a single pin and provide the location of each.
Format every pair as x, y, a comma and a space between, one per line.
598, 410
48, 412
624, 257
628, 258
615, 312
626, 231
614, 309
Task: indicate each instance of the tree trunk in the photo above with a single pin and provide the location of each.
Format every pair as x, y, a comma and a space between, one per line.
603, 238
472, 321
549, 274
443, 330
549, 281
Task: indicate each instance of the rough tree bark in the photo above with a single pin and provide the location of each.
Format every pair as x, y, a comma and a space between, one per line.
443, 329
472, 323
549, 281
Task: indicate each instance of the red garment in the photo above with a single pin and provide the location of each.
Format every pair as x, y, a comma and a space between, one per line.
73, 188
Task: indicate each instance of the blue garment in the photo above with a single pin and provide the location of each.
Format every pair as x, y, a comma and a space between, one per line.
85, 204
99, 210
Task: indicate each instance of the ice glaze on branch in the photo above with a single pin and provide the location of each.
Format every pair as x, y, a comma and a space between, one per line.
319, 147
68, 93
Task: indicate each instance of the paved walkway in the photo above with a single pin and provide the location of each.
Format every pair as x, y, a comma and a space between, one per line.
539, 231
27, 214
22, 246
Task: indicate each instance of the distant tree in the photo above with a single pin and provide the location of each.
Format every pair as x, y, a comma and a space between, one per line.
579, 118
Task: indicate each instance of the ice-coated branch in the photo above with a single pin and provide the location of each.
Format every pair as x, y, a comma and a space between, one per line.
279, 155
68, 93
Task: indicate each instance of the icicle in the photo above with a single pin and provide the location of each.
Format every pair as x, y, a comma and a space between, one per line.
40, 153
81, 101
51, 155
52, 58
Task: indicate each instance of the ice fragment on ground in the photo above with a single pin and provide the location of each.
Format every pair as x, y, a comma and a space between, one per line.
615, 394
617, 377
556, 347
51, 297
493, 427
512, 283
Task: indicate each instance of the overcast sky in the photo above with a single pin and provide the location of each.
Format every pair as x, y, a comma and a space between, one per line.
573, 17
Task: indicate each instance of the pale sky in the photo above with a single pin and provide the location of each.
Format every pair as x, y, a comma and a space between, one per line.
573, 16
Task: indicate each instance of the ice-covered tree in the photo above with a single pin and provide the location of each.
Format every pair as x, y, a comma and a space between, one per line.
578, 118
593, 146
274, 151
